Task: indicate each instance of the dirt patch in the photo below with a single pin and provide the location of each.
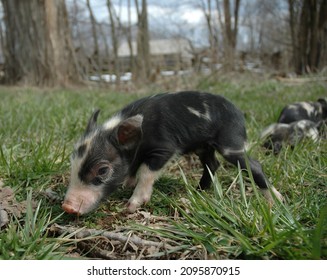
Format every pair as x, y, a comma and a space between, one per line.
9, 206
126, 243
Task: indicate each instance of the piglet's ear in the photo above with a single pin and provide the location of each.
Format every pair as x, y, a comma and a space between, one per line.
129, 131
92, 121
323, 102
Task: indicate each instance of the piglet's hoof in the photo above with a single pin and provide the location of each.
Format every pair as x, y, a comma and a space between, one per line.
131, 207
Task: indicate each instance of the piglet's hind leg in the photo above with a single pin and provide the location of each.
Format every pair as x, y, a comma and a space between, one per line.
259, 177
143, 190
209, 162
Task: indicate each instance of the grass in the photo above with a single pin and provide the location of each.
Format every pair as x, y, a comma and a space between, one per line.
39, 127
26, 239
247, 228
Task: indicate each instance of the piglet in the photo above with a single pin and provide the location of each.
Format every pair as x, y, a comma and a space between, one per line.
312, 111
134, 145
277, 135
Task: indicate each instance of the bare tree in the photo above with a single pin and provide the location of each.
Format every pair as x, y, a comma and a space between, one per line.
83, 48
213, 33
96, 57
250, 22
113, 19
107, 51
229, 25
143, 60
38, 47
308, 25
129, 37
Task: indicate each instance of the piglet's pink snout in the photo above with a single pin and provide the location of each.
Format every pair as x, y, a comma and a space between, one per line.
70, 209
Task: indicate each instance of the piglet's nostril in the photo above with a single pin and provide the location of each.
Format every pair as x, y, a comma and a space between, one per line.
69, 208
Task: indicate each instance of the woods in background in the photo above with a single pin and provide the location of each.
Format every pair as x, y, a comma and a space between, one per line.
49, 43
37, 47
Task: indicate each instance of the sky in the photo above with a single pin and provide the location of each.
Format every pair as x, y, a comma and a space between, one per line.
169, 18
158, 10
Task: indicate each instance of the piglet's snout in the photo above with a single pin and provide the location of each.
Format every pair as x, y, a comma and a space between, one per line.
69, 208
81, 200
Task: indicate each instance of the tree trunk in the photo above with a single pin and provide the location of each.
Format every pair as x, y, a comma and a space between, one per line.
130, 39
114, 38
308, 25
230, 30
96, 52
213, 38
39, 48
143, 46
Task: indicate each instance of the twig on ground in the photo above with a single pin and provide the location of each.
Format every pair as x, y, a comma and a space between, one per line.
83, 233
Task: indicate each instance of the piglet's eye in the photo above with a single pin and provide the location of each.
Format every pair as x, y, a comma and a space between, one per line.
103, 170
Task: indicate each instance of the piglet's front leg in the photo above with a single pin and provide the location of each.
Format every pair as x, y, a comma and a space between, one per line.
143, 190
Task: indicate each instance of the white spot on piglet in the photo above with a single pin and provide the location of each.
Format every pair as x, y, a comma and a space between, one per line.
308, 107
112, 122
308, 130
205, 115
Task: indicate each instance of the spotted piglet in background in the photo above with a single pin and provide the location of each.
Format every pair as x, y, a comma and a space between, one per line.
297, 121
134, 145
278, 135
312, 111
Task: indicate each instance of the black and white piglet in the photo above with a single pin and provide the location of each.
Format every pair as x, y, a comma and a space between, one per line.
296, 122
312, 111
135, 144
277, 135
